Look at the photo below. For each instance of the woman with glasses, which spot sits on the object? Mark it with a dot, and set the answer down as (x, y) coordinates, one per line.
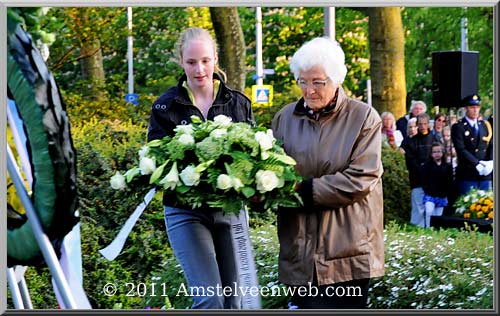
(335, 240)
(437, 129)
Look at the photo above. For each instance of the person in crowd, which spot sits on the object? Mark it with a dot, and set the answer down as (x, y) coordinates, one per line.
(200, 238)
(437, 129)
(411, 130)
(336, 238)
(437, 180)
(449, 149)
(451, 158)
(416, 108)
(389, 132)
(452, 119)
(417, 152)
(473, 141)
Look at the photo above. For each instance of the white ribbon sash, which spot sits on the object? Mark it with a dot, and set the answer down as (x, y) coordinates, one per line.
(247, 274)
(116, 246)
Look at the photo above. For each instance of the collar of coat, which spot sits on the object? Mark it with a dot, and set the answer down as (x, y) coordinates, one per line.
(335, 106)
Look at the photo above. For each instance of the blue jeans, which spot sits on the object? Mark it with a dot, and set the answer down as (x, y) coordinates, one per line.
(201, 242)
(417, 207)
(464, 186)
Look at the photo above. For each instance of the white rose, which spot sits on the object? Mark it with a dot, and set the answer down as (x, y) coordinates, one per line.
(266, 180)
(189, 176)
(222, 120)
(147, 165)
(184, 129)
(219, 132)
(224, 182)
(143, 151)
(171, 179)
(118, 181)
(186, 139)
(264, 140)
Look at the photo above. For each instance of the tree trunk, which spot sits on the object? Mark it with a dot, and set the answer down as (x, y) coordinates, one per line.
(91, 61)
(229, 34)
(92, 67)
(387, 69)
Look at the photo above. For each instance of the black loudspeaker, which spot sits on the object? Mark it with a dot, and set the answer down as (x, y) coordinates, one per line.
(454, 76)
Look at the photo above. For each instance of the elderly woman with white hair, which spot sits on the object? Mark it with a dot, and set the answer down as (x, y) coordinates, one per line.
(391, 135)
(416, 107)
(336, 238)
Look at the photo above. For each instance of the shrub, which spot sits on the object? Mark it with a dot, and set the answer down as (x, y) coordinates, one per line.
(396, 184)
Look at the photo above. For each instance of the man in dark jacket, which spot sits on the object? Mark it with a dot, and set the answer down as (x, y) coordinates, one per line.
(417, 154)
(473, 141)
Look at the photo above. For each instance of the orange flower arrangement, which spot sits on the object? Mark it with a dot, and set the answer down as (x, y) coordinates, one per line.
(475, 204)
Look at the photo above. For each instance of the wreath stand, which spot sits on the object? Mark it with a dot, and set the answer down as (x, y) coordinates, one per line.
(40, 128)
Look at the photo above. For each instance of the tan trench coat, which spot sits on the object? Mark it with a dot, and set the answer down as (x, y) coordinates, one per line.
(343, 239)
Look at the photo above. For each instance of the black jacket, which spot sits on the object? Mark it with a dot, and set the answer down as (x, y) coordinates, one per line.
(174, 107)
(437, 180)
(418, 152)
(470, 149)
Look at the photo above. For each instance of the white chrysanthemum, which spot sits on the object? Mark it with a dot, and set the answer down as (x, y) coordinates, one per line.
(224, 182)
(186, 139)
(219, 132)
(189, 176)
(171, 180)
(143, 151)
(147, 165)
(266, 180)
(184, 129)
(264, 139)
(222, 120)
(118, 181)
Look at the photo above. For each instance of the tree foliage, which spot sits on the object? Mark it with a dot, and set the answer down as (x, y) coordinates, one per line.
(156, 29)
(434, 29)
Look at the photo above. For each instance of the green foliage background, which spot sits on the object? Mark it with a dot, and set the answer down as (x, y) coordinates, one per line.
(155, 31)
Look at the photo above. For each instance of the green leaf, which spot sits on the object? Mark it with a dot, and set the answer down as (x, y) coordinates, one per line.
(155, 143)
(157, 173)
(132, 173)
(248, 191)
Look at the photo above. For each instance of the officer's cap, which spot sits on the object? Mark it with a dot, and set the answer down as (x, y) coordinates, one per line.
(472, 99)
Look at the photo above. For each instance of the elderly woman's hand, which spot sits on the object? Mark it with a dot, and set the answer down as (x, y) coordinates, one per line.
(305, 190)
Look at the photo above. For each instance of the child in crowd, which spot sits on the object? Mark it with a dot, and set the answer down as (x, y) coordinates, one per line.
(437, 178)
(411, 130)
(449, 148)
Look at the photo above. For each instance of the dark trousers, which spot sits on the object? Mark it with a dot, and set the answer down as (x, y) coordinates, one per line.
(345, 295)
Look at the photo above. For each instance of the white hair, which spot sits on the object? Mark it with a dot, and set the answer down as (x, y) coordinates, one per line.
(414, 103)
(320, 51)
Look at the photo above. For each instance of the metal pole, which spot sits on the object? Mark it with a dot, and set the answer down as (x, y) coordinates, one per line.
(23, 287)
(258, 30)
(329, 18)
(130, 52)
(43, 241)
(14, 289)
(463, 43)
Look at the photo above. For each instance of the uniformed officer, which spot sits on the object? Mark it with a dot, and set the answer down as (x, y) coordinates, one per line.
(473, 142)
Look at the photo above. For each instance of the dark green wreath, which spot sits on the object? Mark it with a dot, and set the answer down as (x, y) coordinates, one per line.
(49, 144)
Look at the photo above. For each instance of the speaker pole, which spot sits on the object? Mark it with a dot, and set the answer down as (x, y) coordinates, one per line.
(464, 45)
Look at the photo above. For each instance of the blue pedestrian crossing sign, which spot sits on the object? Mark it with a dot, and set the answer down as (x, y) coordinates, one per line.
(132, 98)
(262, 95)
